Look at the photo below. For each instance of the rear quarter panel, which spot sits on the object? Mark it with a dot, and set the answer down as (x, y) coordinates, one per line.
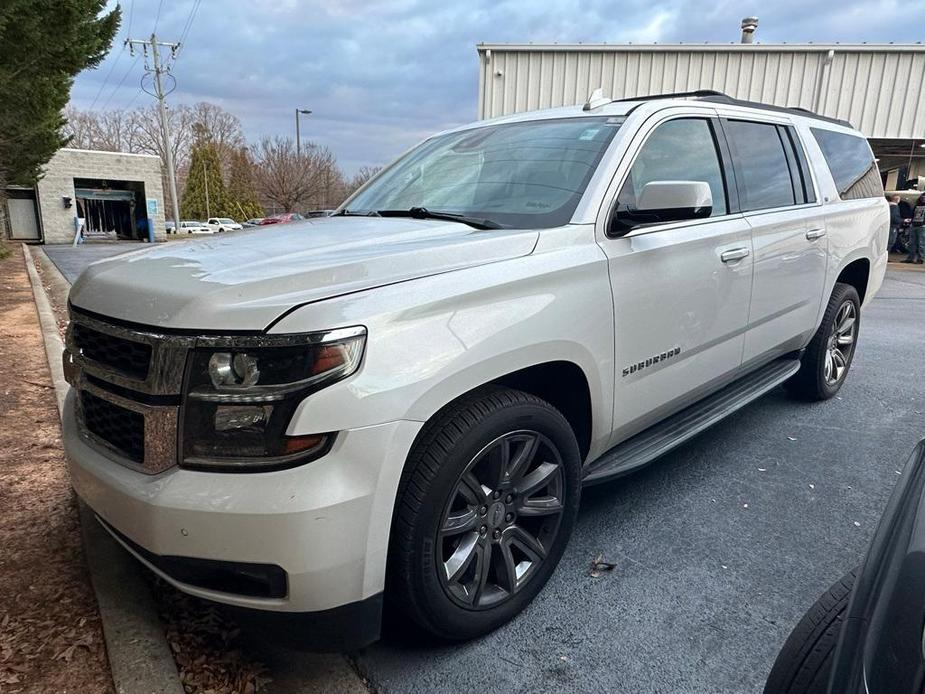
(854, 228)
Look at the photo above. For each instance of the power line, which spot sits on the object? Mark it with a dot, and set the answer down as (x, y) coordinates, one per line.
(131, 13)
(158, 17)
(121, 82)
(106, 80)
(186, 27)
(134, 98)
(190, 20)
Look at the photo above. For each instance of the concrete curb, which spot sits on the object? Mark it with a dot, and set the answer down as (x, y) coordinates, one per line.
(58, 284)
(139, 657)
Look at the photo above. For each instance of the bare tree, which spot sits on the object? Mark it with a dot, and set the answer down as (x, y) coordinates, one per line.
(220, 127)
(283, 178)
(291, 180)
(81, 128)
(363, 174)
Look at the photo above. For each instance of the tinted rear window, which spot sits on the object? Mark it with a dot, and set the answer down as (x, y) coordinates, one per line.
(851, 163)
(762, 172)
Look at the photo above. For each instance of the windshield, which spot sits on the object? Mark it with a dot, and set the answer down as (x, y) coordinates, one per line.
(516, 175)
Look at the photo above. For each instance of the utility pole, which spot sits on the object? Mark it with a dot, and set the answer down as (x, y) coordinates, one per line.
(159, 70)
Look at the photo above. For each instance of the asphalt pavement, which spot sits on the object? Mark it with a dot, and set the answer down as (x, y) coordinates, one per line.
(719, 547)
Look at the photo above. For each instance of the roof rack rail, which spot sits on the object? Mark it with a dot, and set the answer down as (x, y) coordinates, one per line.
(723, 98)
(697, 93)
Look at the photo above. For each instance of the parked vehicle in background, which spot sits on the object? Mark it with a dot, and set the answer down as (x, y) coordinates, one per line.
(253, 222)
(193, 227)
(281, 218)
(170, 226)
(222, 224)
(864, 636)
(405, 406)
(319, 213)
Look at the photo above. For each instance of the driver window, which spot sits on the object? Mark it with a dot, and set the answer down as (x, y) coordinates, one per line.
(679, 150)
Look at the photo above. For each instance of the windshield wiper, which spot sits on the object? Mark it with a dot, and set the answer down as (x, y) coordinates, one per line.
(424, 213)
(356, 213)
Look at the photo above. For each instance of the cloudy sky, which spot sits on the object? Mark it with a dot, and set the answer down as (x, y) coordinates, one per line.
(379, 76)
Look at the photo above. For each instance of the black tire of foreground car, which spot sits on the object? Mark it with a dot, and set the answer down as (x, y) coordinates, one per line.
(486, 505)
(827, 360)
(804, 664)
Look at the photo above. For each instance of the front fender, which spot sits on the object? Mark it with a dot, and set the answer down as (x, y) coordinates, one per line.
(434, 339)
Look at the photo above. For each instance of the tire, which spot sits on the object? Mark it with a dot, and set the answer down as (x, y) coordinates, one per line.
(821, 375)
(804, 664)
(464, 442)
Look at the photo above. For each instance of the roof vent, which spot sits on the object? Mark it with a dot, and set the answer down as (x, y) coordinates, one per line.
(596, 100)
(749, 25)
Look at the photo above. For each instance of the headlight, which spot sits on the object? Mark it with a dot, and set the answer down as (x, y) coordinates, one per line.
(241, 393)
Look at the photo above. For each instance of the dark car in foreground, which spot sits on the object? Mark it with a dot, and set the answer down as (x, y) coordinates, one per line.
(866, 633)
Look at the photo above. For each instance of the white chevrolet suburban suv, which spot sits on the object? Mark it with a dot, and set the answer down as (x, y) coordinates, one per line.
(399, 404)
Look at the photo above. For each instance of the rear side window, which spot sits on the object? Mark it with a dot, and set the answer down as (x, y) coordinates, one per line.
(851, 163)
(762, 168)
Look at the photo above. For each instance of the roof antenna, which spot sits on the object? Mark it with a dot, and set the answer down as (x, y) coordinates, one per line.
(596, 100)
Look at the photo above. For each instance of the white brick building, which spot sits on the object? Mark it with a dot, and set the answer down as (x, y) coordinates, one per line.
(115, 193)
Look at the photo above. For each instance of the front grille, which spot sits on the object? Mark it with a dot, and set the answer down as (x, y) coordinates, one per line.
(128, 357)
(122, 429)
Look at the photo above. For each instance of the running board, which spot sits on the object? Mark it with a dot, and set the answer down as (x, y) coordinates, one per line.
(660, 438)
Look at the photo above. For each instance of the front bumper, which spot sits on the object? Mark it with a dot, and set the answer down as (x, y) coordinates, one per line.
(325, 524)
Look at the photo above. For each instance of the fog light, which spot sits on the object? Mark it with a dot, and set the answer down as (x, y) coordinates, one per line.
(242, 417)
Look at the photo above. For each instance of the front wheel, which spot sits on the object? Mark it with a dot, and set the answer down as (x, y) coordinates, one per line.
(826, 361)
(486, 506)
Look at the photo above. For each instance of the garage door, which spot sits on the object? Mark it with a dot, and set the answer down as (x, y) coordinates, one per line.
(24, 225)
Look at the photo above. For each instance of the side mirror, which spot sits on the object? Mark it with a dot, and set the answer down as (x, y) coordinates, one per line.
(664, 201)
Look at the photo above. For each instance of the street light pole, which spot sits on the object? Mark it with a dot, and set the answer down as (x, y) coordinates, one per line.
(298, 135)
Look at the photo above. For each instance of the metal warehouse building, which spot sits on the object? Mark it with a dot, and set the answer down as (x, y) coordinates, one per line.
(115, 193)
(880, 89)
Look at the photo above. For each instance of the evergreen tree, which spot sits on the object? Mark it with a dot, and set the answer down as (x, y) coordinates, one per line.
(243, 202)
(205, 194)
(43, 45)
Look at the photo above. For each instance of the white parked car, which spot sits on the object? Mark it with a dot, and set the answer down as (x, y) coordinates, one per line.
(223, 224)
(193, 227)
(407, 407)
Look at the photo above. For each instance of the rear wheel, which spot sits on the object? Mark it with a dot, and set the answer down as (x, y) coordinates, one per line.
(826, 361)
(804, 664)
(485, 508)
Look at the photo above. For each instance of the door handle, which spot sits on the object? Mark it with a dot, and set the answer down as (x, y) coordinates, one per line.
(814, 234)
(734, 254)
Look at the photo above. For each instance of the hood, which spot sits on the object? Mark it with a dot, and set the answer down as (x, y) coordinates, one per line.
(245, 280)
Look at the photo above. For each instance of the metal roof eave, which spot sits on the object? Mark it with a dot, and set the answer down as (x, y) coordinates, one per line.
(706, 47)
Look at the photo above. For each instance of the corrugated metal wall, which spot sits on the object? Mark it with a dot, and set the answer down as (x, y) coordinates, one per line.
(879, 89)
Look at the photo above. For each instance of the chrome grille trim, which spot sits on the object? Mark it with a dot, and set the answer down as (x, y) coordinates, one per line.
(160, 426)
(164, 377)
(168, 356)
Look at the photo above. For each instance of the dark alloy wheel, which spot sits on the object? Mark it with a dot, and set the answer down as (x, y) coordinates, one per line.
(485, 507)
(501, 519)
(827, 360)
